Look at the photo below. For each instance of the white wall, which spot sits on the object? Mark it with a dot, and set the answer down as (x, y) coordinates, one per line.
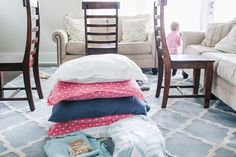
(13, 25)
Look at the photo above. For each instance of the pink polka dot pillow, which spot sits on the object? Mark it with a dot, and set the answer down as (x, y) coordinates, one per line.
(84, 91)
(63, 128)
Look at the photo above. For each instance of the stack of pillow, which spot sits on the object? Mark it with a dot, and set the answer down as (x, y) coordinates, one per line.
(95, 90)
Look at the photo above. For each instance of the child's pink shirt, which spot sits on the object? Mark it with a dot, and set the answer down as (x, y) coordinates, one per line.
(173, 42)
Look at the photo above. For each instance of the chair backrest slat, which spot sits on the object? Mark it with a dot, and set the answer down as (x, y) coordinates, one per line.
(101, 5)
(101, 25)
(101, 42)
(33, 31)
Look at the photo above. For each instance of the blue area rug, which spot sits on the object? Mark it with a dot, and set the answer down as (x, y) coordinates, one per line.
(190, 130)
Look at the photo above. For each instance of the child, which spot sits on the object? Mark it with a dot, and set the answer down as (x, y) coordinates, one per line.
(174, 42)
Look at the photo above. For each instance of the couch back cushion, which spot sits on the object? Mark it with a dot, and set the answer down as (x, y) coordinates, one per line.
(216, 32)
(99, 29)
(74, 27)
(228, 43)
(134, 30)
(147, 17)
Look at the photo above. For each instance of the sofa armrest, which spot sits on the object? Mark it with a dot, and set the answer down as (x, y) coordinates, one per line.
(60, 37)
(192, 38)
(151, 39)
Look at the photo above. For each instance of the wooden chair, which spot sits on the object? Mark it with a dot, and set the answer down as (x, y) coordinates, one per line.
(100, 46)
(166, 62)
(26, 60)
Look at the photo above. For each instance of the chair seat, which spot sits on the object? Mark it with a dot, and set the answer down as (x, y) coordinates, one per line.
(189, 61)
(190, 58)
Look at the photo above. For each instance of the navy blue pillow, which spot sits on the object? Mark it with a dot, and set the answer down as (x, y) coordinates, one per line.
(71, 110)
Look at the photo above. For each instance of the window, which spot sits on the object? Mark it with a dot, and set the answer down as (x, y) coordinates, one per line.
(134, 7)
(186, 12)
(224, 10)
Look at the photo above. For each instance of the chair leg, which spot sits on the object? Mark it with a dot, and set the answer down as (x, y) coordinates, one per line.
(159, 81)
(196, 79)
(208, 83)
(166, 86)
(28, 90)
(37, 81)
(1, 85)
(154, 71)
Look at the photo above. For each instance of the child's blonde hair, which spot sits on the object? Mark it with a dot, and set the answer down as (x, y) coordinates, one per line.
(174, 26)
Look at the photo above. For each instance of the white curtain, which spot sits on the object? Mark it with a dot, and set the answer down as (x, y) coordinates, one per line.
(207, 13)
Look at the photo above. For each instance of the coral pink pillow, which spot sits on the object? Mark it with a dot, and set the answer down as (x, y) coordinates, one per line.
(84, 91)
(76, 125)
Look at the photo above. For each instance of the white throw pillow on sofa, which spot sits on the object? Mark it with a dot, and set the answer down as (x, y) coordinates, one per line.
(134, 30)
(98, 68)
(215, 33)
(74, 28)
(228, 43)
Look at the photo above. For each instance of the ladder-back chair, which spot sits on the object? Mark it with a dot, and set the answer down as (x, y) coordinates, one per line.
(166, 62)
(24, 61)
(101, 46)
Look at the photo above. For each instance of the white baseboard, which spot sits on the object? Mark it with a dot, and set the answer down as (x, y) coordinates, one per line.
(45, 58)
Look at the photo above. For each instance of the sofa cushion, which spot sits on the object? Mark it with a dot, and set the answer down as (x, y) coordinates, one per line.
(134, 30)
(216, 32)
(75, 28)
(227, 69)
(130, 48)
(99, 29)
(75, 47)
(216, 56)
(148, 17)
(198, 49)
(228, 43)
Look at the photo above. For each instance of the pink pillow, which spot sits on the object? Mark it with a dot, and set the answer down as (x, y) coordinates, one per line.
(85, 91)
(79, 124)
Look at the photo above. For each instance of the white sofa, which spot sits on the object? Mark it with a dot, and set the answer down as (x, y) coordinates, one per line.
(141, 52)
(224, 80)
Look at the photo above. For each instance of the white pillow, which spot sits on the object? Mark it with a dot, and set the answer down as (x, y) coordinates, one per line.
(228, 43)
(134, 30)
(216, 32)
(98, 68)
(74, 28)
